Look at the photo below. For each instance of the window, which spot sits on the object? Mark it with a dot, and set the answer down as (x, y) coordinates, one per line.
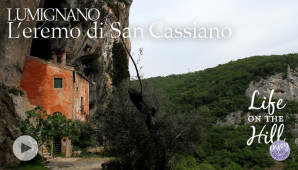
(57, 83)
(74, 76)
(82, 106)
(57, 113)
(58, 59)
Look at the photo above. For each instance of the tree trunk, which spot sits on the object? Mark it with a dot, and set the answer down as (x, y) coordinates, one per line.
(149, 111)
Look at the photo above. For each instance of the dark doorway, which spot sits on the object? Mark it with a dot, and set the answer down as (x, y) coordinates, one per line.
(57, 145)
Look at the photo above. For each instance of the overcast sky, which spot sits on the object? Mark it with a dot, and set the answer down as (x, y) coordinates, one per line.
(258, 28)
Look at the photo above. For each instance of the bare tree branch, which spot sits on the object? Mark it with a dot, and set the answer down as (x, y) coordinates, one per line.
(128, 52)
(182, 132)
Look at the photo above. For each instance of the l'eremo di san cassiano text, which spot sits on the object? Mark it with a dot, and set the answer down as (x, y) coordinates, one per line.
(18, 16)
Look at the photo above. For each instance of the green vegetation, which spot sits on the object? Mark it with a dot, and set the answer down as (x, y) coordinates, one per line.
(222, 88)
(185, 163)
(127, 137)
(29, 166)
(111, 4)
(86, 138)
(36, 163)
(44, 127)
(226, 146)
(120, 64)
(16, 91)
(292, 165)
(61, 155)
(85, 135)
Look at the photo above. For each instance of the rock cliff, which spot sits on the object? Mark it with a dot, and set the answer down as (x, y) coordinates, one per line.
(91, 57)
(285, 86)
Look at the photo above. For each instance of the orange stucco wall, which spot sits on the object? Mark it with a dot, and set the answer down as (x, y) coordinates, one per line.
(38, 82)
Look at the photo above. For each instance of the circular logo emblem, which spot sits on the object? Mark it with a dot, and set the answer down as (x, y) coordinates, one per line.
(279, 150)
(25, 148)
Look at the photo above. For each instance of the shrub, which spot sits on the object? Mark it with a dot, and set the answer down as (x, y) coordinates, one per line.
(85, 134)
(206, 166)
(44, 127)
(111, 4)
(233, 166)
(186, 163)
(292, 165)
(16, 91)
(120, 64)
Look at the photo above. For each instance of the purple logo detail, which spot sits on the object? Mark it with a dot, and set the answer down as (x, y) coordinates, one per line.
(279, 150)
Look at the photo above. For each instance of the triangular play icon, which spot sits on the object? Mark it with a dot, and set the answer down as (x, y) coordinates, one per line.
(24, 148)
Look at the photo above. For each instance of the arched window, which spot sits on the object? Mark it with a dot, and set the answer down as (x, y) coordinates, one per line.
(57, 113)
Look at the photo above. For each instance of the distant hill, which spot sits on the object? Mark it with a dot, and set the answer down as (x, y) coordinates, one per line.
(221, 88)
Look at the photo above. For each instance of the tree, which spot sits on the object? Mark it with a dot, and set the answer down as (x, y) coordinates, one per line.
(132, 129)
(85, 134)
(149, 136)
(120, 67)
(43, 127)
(125, 133)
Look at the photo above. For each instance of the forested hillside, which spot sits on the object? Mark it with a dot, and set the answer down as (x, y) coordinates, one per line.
(222, 88)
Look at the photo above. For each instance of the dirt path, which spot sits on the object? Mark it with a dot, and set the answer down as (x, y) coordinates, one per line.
(76, 163)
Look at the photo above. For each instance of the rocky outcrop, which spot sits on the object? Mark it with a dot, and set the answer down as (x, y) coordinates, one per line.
(21, 104)
(8, 123)
(286, 88)
(91, 57)
(14, 51)
(12, 59)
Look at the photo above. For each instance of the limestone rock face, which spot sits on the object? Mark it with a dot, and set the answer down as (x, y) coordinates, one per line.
(14, 51)
(285, 88)
(12, 59)
(8, 123)
(91, 57)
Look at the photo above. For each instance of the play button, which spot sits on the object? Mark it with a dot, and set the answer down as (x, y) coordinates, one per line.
(25, 148)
